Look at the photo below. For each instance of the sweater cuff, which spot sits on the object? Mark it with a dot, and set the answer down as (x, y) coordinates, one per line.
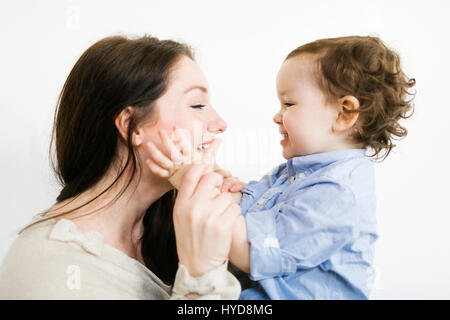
(217, 284)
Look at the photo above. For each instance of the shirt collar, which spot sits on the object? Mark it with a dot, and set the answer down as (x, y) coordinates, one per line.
(312, 162)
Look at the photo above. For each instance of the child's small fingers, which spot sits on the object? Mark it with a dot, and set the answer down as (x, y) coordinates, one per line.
(225, 186)
(171, 150)
(185, 143)
(157, 169)
(159, 158)
(237, 186)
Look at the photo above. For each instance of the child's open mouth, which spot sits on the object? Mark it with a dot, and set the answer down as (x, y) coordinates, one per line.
(285, 137)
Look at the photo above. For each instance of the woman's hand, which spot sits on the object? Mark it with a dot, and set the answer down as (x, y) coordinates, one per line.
(203, 220)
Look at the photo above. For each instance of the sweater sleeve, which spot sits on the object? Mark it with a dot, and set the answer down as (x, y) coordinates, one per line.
(217, 284)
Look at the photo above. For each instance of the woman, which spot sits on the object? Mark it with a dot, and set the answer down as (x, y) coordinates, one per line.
(111, 235)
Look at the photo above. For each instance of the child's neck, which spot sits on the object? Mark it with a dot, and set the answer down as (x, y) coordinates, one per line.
(345, 146)
(337, 147)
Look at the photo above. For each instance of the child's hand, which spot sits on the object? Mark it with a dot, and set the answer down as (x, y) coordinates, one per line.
(230, 184)
(177, 155)
(233, 184)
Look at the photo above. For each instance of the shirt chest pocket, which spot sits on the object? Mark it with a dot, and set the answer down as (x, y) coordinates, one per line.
(267, 200)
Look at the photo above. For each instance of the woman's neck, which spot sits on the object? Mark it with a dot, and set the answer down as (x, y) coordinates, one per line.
(119, 221)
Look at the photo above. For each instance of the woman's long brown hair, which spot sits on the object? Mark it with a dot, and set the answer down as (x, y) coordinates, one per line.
(112, 74)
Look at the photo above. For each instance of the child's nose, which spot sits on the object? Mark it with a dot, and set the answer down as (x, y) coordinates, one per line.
(277, 117)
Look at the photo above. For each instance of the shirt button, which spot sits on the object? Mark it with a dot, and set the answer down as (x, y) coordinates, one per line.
(261, 201)
(301, 175)
(291, 179)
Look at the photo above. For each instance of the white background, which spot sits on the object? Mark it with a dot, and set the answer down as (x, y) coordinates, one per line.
(240, 45)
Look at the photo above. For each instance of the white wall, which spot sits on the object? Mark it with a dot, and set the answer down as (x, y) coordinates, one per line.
(240, 45)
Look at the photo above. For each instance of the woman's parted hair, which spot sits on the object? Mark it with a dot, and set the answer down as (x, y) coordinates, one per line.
(112, 74)
(367, 69)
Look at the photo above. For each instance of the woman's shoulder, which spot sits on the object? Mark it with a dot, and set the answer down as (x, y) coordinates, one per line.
(31, 262)
(53, 259)
(32, 241)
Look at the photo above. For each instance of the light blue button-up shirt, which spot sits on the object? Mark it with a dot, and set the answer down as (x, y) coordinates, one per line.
(311, 227)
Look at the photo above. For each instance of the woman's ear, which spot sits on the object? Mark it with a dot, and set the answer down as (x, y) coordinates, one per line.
(345, 120)
(122, 123)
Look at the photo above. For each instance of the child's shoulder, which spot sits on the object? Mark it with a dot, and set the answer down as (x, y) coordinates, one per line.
(350, 172)
(275, 172)
(349, 166)
(278, 170)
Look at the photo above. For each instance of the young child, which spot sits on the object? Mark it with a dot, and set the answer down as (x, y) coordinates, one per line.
(308, 228)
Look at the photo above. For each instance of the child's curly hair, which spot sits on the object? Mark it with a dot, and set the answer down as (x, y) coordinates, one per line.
(367, 69)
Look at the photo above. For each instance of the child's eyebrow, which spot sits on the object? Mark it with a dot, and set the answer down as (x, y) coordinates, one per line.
(284, 94)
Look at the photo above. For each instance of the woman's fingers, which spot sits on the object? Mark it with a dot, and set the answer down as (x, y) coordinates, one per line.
(158, 157)
(220, 204)
(224, 173)
(229, 215)
(191, 180)
(209, 185)
(233, 211)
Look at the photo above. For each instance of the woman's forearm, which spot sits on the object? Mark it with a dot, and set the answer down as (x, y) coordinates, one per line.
(240, 247)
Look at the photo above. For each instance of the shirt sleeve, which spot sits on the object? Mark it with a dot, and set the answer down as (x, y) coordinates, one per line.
(255, 189)
(301, 232)
(217, 284)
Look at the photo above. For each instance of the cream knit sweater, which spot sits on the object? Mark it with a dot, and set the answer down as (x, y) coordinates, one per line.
(53, 259)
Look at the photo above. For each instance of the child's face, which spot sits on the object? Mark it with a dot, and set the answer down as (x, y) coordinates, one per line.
(305, 119)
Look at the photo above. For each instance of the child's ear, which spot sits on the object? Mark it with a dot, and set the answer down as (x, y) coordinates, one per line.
(345, 120)
(122, 123)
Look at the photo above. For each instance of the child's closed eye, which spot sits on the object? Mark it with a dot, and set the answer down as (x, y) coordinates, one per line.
(287, 104)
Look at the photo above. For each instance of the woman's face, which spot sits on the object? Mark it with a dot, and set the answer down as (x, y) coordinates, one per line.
(185, 105)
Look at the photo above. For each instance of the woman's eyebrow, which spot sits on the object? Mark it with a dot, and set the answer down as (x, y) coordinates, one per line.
(205, 90)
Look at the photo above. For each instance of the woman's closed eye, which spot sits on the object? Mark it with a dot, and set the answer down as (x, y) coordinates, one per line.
(198, 106)
(287, 104)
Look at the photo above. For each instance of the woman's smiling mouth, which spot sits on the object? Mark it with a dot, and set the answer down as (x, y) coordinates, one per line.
(203, 146)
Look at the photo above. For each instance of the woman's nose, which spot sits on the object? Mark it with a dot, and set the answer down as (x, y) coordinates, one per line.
(217, 124)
